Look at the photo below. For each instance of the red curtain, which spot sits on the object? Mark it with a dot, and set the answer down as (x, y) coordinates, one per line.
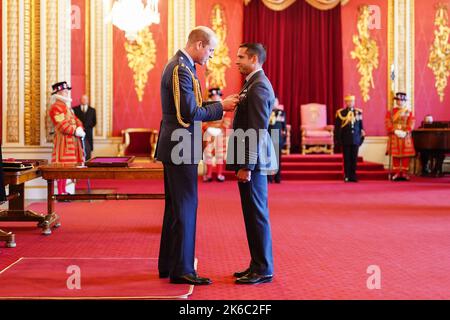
(304, 56)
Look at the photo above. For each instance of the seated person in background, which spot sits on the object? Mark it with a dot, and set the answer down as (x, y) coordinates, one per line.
(215, 138)
(428, 120)
(432, 161)
(277, 121)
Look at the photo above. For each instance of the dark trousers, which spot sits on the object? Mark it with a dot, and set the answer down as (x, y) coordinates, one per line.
(87, 150)
(432, 161)
(350, 160)
(177, 248)
(257, 225)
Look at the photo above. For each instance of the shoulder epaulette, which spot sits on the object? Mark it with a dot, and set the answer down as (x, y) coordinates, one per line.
(176, 92)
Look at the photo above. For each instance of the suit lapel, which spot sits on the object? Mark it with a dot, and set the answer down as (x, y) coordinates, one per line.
(251, 80)
(82, 114)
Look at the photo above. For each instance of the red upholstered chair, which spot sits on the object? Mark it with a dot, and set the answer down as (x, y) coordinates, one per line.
(138, 142)
(317, 136)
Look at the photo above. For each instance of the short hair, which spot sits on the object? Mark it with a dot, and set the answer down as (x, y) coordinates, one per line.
(255, 49)
(202, 33)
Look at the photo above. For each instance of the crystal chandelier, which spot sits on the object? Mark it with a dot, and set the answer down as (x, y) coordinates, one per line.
(131, 16)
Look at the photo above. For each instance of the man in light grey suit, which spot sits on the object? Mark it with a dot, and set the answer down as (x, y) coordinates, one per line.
(250, 154)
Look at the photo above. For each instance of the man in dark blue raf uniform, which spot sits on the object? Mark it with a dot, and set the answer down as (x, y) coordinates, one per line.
(254, 162)
(180, 149)
(349, 133)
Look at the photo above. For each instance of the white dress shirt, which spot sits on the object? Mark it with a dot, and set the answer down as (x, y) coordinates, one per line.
(251, 74)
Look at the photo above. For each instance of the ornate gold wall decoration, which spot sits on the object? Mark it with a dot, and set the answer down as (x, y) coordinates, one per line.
(32, 72)
(439, 60)
(141, 56)
(366, 51)
(220, 62)
(12, 91)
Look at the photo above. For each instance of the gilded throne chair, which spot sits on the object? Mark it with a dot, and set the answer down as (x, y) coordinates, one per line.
(138, 142)
(317, 136)
(287, 146)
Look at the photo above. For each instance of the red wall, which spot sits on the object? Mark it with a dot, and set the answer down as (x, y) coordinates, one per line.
(78, 52)
(374, 109)
(234, 15)
(426, 97)
(128, 111)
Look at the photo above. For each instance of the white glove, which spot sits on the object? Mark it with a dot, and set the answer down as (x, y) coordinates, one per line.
(80, 132)
(214, 131)
(400, 133)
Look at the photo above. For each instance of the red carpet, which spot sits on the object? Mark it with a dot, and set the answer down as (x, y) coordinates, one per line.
(100, 278)
(325, 236)
(324, 167)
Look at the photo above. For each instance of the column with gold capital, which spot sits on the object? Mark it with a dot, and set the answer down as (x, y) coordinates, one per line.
(36, 47)
(401, 49)
(100, 60)
(181, 20)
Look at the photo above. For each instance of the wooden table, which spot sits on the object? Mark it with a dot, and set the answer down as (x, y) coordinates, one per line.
(142, 171)
(16, 204)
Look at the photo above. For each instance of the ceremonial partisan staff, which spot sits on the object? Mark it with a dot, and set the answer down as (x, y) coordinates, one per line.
(84, 161)
(391, 119)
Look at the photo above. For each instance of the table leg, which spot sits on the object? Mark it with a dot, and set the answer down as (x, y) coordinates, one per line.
(16, 212)
(17, 203)
(9, 238)
(16, 206)
(51, 219)
(50, 202)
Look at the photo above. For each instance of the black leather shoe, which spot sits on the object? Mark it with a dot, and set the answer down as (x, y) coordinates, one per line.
(254, 278)
(190, 279)
(240, 274)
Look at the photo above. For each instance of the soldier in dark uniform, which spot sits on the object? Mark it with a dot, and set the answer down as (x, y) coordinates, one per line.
(349, 133)
(182, 113)
(277, 121)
